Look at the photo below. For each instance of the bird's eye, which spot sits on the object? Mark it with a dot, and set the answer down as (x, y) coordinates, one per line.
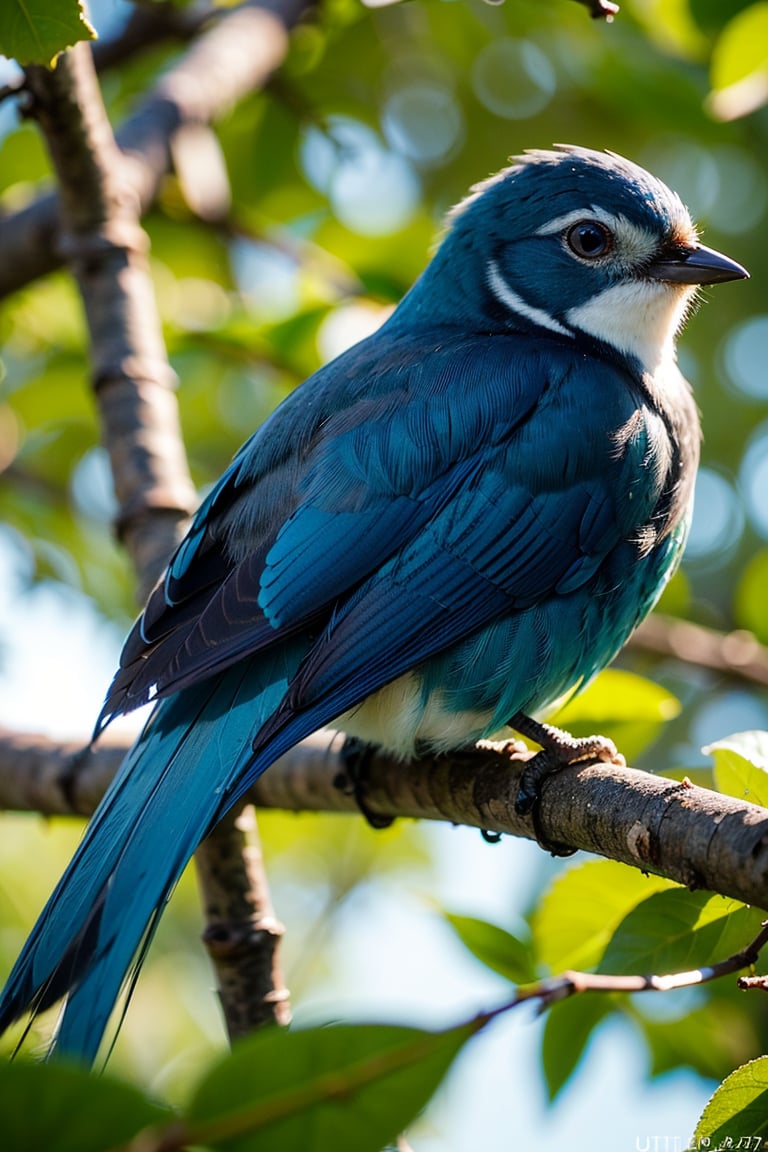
(589, 239)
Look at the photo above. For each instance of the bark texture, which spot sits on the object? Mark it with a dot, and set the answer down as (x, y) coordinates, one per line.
(689, 834)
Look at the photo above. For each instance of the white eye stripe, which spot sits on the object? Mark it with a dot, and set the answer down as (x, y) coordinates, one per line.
(593, 212)
(510, 299)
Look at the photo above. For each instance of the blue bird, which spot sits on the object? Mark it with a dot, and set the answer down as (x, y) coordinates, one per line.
(443, 531)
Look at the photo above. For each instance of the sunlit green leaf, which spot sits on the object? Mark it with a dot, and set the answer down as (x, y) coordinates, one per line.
(738, 1110)
(740, 64)
(678, 930)
(670, 24)
(582, 908)
(628, 708)
(741, 766)
(35, 31)
(494, 947)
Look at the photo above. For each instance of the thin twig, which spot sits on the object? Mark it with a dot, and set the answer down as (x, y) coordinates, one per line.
(106, 249)
(737, 654)
(242, 935)
(178, 1135)
(601, 9)
(571, 983)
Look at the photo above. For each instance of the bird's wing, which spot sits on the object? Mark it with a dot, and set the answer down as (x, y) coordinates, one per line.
(448, 474)
(495, 549)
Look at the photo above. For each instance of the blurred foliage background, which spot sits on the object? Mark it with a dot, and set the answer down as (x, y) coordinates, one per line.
(339, 174)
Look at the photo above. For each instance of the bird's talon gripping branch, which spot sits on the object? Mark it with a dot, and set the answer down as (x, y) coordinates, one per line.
(356, 757)
(559, 750)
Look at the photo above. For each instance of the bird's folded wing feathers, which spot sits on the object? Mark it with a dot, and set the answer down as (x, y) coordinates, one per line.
(415, 489)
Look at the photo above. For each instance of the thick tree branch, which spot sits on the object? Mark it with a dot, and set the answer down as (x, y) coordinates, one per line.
(691, 835)
(106, 248)
(103, 242)
(232, 58)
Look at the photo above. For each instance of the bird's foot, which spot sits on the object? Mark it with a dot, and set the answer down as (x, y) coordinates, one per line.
(353, 779)
(559, 750)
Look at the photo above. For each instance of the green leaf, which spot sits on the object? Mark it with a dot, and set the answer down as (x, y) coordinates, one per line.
(741, 766)
(711, 1040)
(619, 704)
(678, 930)
(578, 915)
(738, 1109)
(672, 26)
(494, 947)
(739, 70)
(566, 1033)
(35, 31)
(64, 1109)
(347, 1087)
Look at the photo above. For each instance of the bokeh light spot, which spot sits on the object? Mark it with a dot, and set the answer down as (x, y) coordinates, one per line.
(373, 191)
(376, 195)
(723, 186)
(423, 121)
(348, 324)
(744, 355)
(735, 711)
(687, 168)
(513, 78)
(92, 487)
(741, 191)
(267, 277)
(718, 517)
(753, 477)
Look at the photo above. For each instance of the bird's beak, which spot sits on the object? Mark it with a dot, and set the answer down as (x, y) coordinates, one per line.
(697, 265)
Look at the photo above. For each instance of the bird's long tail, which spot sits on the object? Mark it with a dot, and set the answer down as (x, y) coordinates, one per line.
(180, 777)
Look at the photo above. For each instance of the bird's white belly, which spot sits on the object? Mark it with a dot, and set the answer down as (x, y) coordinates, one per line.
(396, 717)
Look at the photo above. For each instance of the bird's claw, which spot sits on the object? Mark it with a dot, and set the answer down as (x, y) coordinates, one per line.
(559, 750)
(356, 757)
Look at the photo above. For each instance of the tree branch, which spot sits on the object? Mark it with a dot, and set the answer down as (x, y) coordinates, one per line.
(232, 58)
(571, 983)
(737, 654)
(601, 9)
(151, 24)
(688, 834)
(106, 248)
(242, 935)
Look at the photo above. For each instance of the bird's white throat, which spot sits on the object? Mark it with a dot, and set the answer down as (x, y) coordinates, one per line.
(639, 318)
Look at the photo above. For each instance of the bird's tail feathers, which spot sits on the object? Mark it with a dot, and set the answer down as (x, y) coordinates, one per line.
(180, 776)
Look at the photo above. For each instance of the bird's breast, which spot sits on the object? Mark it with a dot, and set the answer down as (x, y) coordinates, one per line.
(403, 714)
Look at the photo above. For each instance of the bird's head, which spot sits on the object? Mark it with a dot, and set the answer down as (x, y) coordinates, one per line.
(573, 243)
